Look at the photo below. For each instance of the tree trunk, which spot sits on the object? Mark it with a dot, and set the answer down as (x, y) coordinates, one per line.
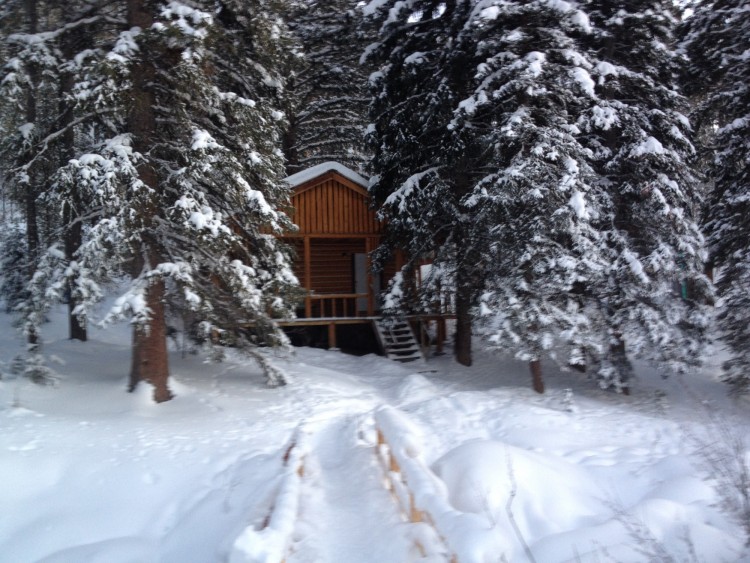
(462, 346)
(32, 242)
(621, 363)
(150, 358)
(289, 144)
(467, 261)
(72, 224)
(73, 238)
(537, 379)
(708, 269)
(32, 187)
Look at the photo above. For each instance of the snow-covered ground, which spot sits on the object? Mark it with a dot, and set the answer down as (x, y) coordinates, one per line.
(233, 471)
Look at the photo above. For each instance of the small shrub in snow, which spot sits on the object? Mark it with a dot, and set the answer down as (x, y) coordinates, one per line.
(12, 265)
(567, 401)
(726, 457)
(36, 370)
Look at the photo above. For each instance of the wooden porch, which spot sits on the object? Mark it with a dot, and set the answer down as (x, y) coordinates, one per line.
(336, 272)
(429, 330)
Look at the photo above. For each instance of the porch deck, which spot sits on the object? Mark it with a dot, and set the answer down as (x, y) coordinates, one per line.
(421, 324)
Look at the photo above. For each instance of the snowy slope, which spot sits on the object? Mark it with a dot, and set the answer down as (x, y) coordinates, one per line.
(92, 473)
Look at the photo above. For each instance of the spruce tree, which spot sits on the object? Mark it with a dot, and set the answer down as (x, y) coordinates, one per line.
(654, 293)
(25, 83)
(422, 170)
(328, 105)
(37, 82)
(167, 168)
(622, 261)
(716, 39)
(14, 278)
(537, 207)
(190, 188)
(29, 156)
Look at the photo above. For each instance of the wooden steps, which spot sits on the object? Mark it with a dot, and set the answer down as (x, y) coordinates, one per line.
(397, 340)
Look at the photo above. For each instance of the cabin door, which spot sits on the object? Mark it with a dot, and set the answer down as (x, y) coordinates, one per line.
(360, 282)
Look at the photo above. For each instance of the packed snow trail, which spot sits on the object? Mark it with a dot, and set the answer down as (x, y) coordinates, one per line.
(344, 504)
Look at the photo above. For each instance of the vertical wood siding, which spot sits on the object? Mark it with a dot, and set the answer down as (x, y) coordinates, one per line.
(331, 208)
(331, 263)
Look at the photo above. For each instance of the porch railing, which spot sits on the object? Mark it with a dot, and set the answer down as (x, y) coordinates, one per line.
(324, 305)
(443, 304)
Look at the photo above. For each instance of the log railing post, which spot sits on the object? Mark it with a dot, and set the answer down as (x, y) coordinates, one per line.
(307, 277)
(399, 488)
(332, 337)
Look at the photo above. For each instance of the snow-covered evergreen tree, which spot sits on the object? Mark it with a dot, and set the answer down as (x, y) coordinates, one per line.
(26, 84)
(41, 40)
(717, 40)
(537, 208)
(543, 162)
(159, 147)
(190, 189)
(13, 279)
(423, 171)
(28, 110)
(327, 117)
(608, 265)
(653, 294)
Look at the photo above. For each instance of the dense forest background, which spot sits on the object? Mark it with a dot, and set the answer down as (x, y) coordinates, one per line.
(576, 172)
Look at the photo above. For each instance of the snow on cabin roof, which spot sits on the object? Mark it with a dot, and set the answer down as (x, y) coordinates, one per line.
(310, 173)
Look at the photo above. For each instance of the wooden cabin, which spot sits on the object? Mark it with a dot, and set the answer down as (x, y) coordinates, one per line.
(337, 231)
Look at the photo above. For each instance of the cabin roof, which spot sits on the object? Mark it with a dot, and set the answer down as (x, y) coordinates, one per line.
(314, 172)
